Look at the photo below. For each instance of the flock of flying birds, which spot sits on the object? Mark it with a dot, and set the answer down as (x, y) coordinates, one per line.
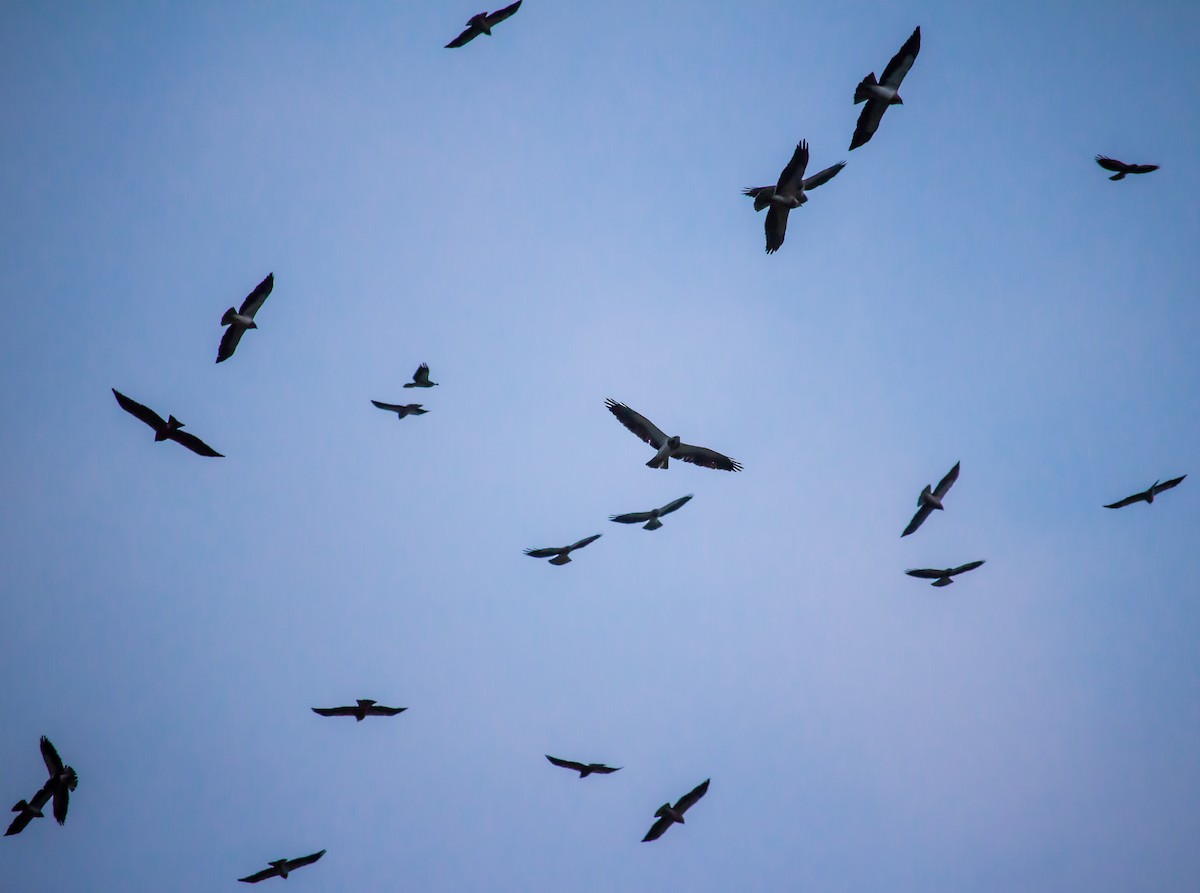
(787, 194)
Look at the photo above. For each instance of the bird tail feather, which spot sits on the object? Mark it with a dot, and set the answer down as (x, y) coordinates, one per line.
(860, 92)
(652, 524)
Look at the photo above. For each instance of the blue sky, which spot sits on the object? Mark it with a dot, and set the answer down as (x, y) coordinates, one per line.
(550, 217)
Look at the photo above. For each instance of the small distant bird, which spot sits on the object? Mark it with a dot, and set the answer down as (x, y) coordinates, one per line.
(561, 555)
(930, 500)
(878, 95)
(652, 516)
(402, 409)
(421, 378)
(788, 193)
(1121, 168)
(361, 711)
(168, 430)
(240, 320)
(282, 868)
(942, 577)
(58, 786)
(1147, 496)
(668, 447)
(584, 769)
(483, 23)
(669, 815)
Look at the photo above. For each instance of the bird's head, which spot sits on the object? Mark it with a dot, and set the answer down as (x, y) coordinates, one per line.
(896, 100)
(365, 702)
(173, 424)
(253, 325)
(674, 441)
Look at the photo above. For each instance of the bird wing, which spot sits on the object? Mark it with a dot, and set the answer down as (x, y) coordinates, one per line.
(583, 542)
(255, 299)
(927, 573)
(421, 376)
(761, 195)
(390, 407)
(542, 553)
(688, 800)
(194, 443)
(293, 864)
(776, 227)
(637, 423)
(1111, 164)
(62, 799)
(260, 875)
(469, 34)
(791, 178)
(963, 568)
(868, 122)
(19, 823)
(566, 764)
(229, 341)
(601, 769)
(657, 829)
(947, 482)
(631, 517)
(1142, 168)
(902, 61)
(501, 14)
(54, 763)
(822, 177)
(697, 455)
(147, 415)
(380, 710)
(1167, 485)
(1128, 500)
(674, 504)
(918, 519)
(334, 711)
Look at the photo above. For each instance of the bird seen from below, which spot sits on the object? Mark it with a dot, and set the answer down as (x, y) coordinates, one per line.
(931, 499)
(668, 815)
(651, 517)
(942, 577)
(281, 868)
(1121, 168)
(788, 193)
(360, 711)
(165, 430)
(421, 378)
(58, 787)
(879, 94)
(240, 320)
(668, 447)
(561, 555)
(1147, 496)
(401, 409)
(584, 769)
(482, 23)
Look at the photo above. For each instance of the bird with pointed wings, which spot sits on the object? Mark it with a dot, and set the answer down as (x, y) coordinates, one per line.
(1121, 168)
(668, 447)
(1147, 496)
(942, 577)
(240, 320)
(562, 554)
(668, 815)
(165, 430)
(788, 193)
(651, 517)
(401, 409)
(482, 23)
(281, 868)
(931, 499)
(879, 94)
(584, 769)
(360, 711)
(421, 378)
(58, 787)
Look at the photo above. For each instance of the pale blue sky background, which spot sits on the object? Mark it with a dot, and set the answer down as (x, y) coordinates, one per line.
(550, 217)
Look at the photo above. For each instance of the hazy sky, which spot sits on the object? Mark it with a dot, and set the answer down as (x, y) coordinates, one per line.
(549, 217)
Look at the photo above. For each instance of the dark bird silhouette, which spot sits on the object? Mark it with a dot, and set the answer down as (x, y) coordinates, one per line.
(360, 711)
(942, 577)
(788, 193)
(281, 868)
(168, 430)
(930, 500)
(668, 447)
(669, 815)
(651, 517)
(421, 378)
(584, 769)
(1147, 496)
(1121, 168)
(878, 95)
(58, 786)
(482, 23)
(240, 320)
(402, 409)
(561, 555)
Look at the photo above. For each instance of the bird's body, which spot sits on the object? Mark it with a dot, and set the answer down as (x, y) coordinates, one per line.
(239, 320)
(165, 430)
(651, 517)
(941, 577)
(363, 708)
(421, 378)
(880, 94)
(561, 554)
(669, 815)
(930, 500)
(281, 868)
(482, 23)
(401, 409)
(1121, 168)
(1147, 495)
(584, 769)
(667, 448)
(790, 192)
